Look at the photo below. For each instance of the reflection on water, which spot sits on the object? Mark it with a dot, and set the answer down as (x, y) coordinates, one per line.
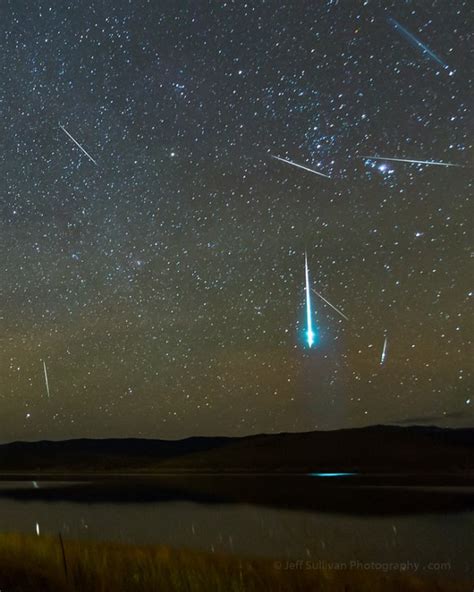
(332, 474)
(28, 485)
(251, 530)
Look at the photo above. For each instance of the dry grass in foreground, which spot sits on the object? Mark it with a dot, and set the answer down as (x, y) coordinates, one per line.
(37, 564)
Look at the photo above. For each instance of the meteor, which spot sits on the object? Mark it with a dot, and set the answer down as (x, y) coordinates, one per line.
(46, 378)
(432, 162)
(310, 336)
(384, 351)
(331, 305)
(300, 166)
(417, 43)
(77, 144)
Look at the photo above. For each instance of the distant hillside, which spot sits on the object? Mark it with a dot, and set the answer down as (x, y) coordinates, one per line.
(376, 449)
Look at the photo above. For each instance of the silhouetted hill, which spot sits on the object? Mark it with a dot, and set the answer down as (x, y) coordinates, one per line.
(376, 449)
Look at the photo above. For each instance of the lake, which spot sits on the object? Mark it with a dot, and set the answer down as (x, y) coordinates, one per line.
(437, 540)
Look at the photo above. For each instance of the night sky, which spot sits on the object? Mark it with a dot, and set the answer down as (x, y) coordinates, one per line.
(161, 279)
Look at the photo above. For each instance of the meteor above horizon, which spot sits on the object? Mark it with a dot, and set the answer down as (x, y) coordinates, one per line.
(384, 351)
(331, 305)
(411, 161)
(77, 144)
(310, 335)
(417, 43)
(300, 166)
(46, 381)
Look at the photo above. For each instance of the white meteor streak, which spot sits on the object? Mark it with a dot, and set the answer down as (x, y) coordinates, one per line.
(77, 144)
(309, 323)
(46, 378)
(432, 162)
(300, 166)
(331, 305)
(384, 351)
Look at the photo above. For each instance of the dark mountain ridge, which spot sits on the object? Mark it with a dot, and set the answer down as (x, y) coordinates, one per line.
(376, 449)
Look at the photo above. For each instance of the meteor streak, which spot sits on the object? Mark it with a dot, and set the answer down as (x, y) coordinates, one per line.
(46, 378)
(417, 43)
(77, 144)
(384, 351)
(331, 305)
(432, 162)
(300, 166)
(310, 337)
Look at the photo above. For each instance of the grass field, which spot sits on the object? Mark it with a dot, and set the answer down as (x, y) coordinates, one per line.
(44, 564)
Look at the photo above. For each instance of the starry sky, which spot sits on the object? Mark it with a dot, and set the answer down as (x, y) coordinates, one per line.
(159, 273)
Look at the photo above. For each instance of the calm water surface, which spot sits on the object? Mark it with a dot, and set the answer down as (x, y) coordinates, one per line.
(250, 530)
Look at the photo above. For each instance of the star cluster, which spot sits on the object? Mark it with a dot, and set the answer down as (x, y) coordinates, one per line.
(162, 282)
